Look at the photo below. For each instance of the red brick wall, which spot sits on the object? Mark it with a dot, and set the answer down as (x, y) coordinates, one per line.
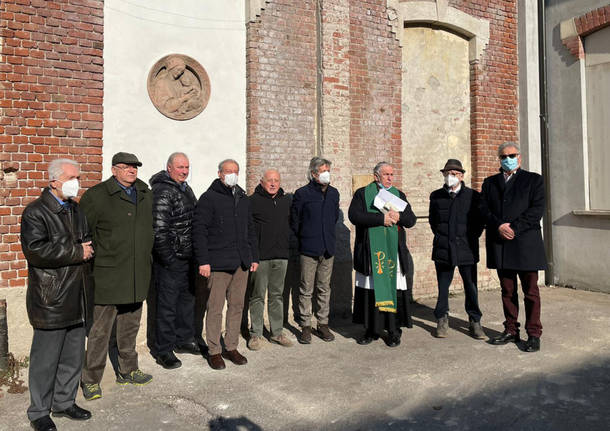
(373, 93)
(281, 91)
(51, 77)
(375, 89)
(494, 85)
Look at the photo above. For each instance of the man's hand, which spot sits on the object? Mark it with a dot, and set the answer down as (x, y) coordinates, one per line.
(390, 218)
(205, 270)
(87, 250)
(253, 267)
(506, 231)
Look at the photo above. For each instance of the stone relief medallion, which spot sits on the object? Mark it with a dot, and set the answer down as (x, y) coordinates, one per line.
(179, 87)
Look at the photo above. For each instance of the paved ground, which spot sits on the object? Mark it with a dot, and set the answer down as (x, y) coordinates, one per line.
(424, 384)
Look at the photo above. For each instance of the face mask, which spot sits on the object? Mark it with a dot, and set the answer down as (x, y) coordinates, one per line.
(231, 179)
(70, 188)
(509, 164)
(324, 178)
(451, 180)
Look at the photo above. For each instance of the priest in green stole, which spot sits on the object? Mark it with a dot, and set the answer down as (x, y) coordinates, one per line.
(381, 260)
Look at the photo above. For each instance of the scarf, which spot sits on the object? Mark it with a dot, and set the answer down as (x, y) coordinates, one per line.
(384, 255)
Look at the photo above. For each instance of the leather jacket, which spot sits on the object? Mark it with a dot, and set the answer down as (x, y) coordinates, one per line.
(59, 284)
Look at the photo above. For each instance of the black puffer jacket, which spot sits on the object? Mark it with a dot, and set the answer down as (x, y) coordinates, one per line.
(59, 286)
(272, 220)
(223, 230)
(457, 226)
(173, 210)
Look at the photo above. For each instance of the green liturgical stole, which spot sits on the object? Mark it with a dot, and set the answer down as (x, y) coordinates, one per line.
(384, 255)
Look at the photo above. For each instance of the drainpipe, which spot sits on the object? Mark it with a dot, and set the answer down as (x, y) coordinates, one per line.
(549, 278)
(319, 81)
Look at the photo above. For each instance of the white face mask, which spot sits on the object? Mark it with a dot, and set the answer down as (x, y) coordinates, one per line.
(451, 180)
(231, 179)
(70, 188)
(324, 177)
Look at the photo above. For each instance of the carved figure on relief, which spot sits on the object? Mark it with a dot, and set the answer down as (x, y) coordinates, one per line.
(178, 87)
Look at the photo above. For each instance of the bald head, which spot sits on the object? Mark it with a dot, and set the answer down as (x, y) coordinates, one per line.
(271, 181)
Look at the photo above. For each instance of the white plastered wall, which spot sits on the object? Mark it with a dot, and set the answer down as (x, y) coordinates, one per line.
(137, 33)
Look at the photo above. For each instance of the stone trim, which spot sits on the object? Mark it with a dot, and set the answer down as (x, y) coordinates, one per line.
(574, 29)
(254, 8)
(441, 14)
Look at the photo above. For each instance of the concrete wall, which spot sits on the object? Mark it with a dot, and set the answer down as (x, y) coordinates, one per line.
(137, 35)
(581, 243)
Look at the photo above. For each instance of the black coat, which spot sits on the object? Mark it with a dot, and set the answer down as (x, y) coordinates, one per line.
(313, 218)
(223, 230)
(363, 220)
(59, 286)
(457, 226)
(521, 203)
(272, 221)
(173, 210)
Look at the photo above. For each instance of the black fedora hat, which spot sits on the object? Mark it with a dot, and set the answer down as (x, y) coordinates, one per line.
(453, 165)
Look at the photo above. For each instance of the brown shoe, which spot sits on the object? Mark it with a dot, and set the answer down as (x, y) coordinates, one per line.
(282, 340)
(325, 334)
(235, 357)
(305, 337)
(216, 362)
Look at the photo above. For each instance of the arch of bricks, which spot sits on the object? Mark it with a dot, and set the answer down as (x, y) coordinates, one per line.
(574, 29)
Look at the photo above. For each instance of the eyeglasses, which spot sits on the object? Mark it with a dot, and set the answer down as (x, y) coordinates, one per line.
(512, 156)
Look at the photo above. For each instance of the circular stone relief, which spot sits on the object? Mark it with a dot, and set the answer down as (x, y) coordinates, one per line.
(179, 87)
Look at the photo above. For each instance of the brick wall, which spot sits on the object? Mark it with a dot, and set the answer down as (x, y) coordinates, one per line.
(281, 91)
(51, 78)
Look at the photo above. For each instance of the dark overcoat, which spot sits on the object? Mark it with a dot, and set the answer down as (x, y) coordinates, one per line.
(363, 220)
(58, 293)
(520, 202)
(224, 235)
(122, 240)
(457, 226)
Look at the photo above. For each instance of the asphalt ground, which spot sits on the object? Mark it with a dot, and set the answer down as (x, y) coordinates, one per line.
(426, 383)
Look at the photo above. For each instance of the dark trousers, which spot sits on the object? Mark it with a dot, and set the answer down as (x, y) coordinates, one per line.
(127, 318)
(444, 276)
(56, 361)
(531, 299)
(175, 306)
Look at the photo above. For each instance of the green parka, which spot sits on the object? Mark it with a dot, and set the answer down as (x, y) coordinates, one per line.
(122, 241)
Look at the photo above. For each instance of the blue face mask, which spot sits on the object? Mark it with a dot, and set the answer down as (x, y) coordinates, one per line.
(509, 164)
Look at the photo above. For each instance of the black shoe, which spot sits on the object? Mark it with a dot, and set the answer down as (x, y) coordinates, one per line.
(368, 338)
(192, 348)
(393, 339)
(74, 412)
(168, 360)
(505, 338)
(44, 423)
(532, 344)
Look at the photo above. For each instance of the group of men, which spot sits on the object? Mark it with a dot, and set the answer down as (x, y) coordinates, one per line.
(90, 264)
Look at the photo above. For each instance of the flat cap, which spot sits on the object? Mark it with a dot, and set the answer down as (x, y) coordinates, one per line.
(127, 158)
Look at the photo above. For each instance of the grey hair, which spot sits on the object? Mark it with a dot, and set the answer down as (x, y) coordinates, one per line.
(172, 156)
(221, 164)
(508, 145)
(56, 167)
(315, 164)
(378, 166)
(269, 170)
